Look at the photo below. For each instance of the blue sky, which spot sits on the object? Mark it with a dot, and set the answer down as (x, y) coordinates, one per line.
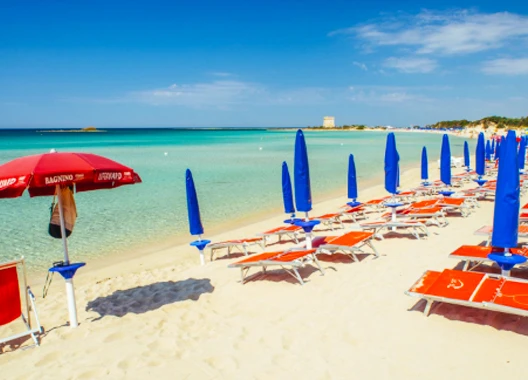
(259, 63)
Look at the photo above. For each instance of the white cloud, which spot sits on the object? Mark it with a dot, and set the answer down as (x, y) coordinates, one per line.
(217, 93)
(361, 65)
(411, 65)
(446, 33)
(507, 66)
(376, 95)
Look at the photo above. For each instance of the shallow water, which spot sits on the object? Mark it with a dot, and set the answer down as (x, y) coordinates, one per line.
(237, 174)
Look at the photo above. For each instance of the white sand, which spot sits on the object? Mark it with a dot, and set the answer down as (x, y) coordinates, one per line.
(163, 316)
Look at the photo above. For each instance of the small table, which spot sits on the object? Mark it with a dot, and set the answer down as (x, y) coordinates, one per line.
(308, 226)
(67, 271)
(480, 181)
(506, 261)
(446, 193)
(200, 244)
(292, 220)
(354, 203)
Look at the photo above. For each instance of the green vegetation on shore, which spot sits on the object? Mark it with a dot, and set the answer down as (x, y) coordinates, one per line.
(490, 121)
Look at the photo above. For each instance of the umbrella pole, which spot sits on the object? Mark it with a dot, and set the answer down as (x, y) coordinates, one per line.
(308, 234)
(202, 256)
(70, 291)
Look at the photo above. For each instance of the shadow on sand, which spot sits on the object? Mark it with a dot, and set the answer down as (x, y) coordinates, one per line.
(149, 297)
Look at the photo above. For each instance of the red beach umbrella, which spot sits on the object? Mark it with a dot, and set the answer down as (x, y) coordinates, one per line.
(44, 174)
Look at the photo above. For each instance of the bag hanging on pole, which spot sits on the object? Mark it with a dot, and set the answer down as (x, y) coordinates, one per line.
(70, 213)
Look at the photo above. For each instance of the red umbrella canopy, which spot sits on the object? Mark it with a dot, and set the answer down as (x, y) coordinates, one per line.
(41, 173)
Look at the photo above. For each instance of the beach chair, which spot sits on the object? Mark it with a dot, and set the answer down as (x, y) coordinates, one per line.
(290, 231)
(330, 220)
(17, 301)
(349, 244)
(474, 255)
(451, 205)
(472, 289)
(354, 213)
(488, 230)
(240, 245)
(289, 260)
(381, 227)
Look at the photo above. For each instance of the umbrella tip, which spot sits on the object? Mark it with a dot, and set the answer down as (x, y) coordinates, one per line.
(52, 150)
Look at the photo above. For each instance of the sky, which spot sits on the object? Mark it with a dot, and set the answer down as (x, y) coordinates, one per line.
(260, 63)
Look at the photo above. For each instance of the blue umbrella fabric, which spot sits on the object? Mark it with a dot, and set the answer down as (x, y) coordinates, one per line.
(497, 149)
(287, 191)
(480, 156)
(193, 209)
(352, 190)
(493, 146)
(425, 165)
(466, 155)
(522, 153)
(507, 202)
(488, 150)
(445, 161)
(301, 175)
(391, 165)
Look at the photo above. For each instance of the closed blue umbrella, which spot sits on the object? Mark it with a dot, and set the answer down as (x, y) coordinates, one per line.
(352, 182)
(391, 165)
(287, 191)
(488, 151)
(445, 161)
(425, 165)
(301, 175)
(480, 156)
(493, 146)
(507, 203)
(497, 149)
(193, 212)
(303, 193)
(466, 156)
(522, 153)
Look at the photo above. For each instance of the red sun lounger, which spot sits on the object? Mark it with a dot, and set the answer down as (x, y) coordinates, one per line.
(488, 230)
(290, 261)
(472, 289)
(354, 213)
(473, 255)
(380, 227)
(427, 215)
(17, 300)
(350, 244)
(291, 231)
(241, 245)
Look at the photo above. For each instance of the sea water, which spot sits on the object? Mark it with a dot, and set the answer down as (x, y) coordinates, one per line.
(237, 174)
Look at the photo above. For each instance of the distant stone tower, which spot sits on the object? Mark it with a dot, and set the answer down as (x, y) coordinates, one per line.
(329, 122)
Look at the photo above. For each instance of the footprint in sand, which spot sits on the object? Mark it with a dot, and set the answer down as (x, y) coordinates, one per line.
(226, 363)
(48, 359)
(113, 337)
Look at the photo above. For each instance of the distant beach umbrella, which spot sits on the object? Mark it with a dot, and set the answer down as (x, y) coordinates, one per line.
(352, 182)
(480, 156)
(445, 161)
(497, 149)
(493, 146)
(488, 150)
(391, 165)
(522, 154)
(287, 191)
(466, 155)
(301, 175)
(193, 213)
(425, 165)
(507, 203)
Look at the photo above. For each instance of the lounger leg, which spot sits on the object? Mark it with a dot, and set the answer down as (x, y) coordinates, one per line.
(297, 275)
(427, 309)
(318, 264)
(373, 248)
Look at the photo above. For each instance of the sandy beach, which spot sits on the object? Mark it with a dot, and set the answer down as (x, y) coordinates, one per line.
(160, 315)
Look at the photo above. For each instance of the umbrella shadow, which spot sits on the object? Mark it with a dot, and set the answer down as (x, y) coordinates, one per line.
(146, 298)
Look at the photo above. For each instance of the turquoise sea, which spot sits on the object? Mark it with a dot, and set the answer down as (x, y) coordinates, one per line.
(237, 174)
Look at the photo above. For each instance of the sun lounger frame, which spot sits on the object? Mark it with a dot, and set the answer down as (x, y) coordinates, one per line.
(240, 245)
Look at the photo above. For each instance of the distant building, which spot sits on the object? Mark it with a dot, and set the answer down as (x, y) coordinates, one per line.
(329, 122)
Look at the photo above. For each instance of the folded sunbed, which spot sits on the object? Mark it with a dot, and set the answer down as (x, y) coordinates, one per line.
(473, 255)
(472, 289)
(290, 261)
(455, 205)
(488, 230)
(428, 215)
(330, 220)
(241, 245)
(349, 244)
(291, 231)
(354, 213)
